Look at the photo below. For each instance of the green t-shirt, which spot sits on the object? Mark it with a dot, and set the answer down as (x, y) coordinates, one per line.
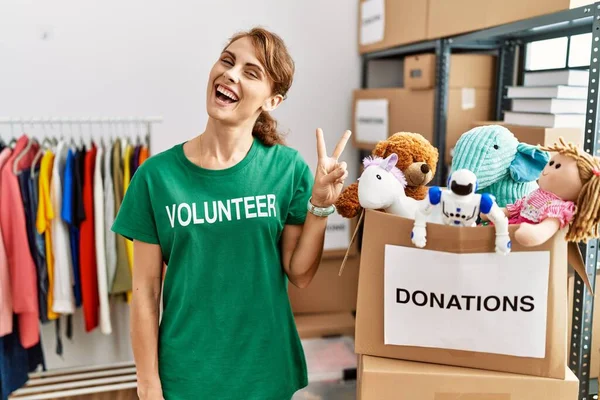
(227, 331)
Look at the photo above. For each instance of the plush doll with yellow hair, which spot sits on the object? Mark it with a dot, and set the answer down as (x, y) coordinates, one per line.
(568, 195)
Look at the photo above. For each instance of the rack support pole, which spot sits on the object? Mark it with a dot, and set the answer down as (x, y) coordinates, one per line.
(442, 71)
(504, 76)
(583, 302)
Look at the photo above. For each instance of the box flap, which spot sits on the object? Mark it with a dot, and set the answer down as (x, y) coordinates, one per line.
(575, 259)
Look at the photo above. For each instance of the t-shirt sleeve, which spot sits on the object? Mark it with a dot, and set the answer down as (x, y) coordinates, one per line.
(303, 184)
(135, 219)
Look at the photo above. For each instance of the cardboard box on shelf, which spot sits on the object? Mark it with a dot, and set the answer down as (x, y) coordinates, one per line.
(328, 292)
(379, 113)
(337, 236)
(387, 379)
(466, 71)
(454, 17)
(536, 135)
(446, 333)
(384, 24)
(325, 325)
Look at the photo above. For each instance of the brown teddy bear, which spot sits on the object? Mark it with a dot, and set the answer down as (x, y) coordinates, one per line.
(417, 159)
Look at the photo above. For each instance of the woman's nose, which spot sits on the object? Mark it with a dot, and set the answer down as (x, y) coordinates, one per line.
(231, 75)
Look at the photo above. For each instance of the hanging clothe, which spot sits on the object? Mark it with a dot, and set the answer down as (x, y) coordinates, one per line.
(87, 248)
(14, 363)
(64, 299)
(109, 218)
(22, 270)
(68, 216)
(36, 240)
(45, 214)
(105, 325)
(6, 310)
(135, 159)
(143, 155)
(126, 179)
(122, 281)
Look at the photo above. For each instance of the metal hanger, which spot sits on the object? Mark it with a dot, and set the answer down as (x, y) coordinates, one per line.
(16, 161)
(46, 145)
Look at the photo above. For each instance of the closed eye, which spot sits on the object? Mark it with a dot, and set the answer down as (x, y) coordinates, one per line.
(227, 61)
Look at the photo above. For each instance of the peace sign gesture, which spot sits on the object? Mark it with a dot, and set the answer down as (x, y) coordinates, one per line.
(330, 175)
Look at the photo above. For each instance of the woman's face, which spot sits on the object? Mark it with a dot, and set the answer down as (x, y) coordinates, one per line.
(238, 86)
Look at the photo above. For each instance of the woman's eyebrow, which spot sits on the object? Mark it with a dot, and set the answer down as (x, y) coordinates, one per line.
(231, 54)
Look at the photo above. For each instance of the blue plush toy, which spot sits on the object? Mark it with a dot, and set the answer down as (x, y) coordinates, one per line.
(504, 167)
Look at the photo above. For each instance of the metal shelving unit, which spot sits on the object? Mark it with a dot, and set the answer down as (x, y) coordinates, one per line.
(509, 42)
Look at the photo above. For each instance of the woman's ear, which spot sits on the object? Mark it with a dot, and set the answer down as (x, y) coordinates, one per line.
(272, 103)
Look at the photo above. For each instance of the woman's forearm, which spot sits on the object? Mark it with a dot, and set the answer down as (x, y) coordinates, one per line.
(307, 254)
(144, 335)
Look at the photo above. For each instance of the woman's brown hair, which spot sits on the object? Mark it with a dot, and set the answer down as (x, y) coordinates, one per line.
(587, 214)
(279, 67)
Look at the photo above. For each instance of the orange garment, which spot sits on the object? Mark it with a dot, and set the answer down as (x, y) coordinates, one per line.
(87, 245)
(43, 223)
(143, 155)
(22, 270)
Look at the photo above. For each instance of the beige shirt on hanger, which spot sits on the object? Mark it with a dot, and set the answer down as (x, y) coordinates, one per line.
(122, 282)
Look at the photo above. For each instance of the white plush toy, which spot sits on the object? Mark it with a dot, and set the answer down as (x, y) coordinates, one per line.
(460, 206)
(381, 187)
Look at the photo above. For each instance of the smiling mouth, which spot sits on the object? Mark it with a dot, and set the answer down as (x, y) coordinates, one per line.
(225, 95)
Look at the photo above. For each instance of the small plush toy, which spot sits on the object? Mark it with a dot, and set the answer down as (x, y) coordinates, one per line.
(504, 167)
(417, 159)
(460, 206)
(568, 195)
(381, 187)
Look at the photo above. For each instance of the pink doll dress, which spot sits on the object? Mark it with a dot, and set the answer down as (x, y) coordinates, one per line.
(539, 205)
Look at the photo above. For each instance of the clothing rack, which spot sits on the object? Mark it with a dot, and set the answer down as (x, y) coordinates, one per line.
(51, 135)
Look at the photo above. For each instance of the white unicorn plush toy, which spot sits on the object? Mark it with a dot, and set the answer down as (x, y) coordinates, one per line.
(381, 187)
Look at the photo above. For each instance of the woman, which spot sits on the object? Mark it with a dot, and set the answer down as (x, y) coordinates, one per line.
(234, 214)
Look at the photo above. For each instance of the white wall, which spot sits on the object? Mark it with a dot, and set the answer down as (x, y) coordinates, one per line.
(121, 58)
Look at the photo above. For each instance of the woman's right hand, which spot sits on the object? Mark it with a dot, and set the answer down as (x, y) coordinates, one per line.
(150, 392)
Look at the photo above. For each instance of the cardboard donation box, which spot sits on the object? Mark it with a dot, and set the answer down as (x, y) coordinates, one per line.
(387, 23)
(456, 302)
(328, 292)
(324, 325)
(379, 113)
(466, 71)
(386, 379)
(452, 17)
(535, 135)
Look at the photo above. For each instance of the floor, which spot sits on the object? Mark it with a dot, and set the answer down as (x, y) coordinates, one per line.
(328, 360)
(328, 391)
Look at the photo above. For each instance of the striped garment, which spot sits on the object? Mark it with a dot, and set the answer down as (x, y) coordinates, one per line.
(539, 205)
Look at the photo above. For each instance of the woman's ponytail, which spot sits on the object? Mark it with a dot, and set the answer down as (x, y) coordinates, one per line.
(265, 130)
